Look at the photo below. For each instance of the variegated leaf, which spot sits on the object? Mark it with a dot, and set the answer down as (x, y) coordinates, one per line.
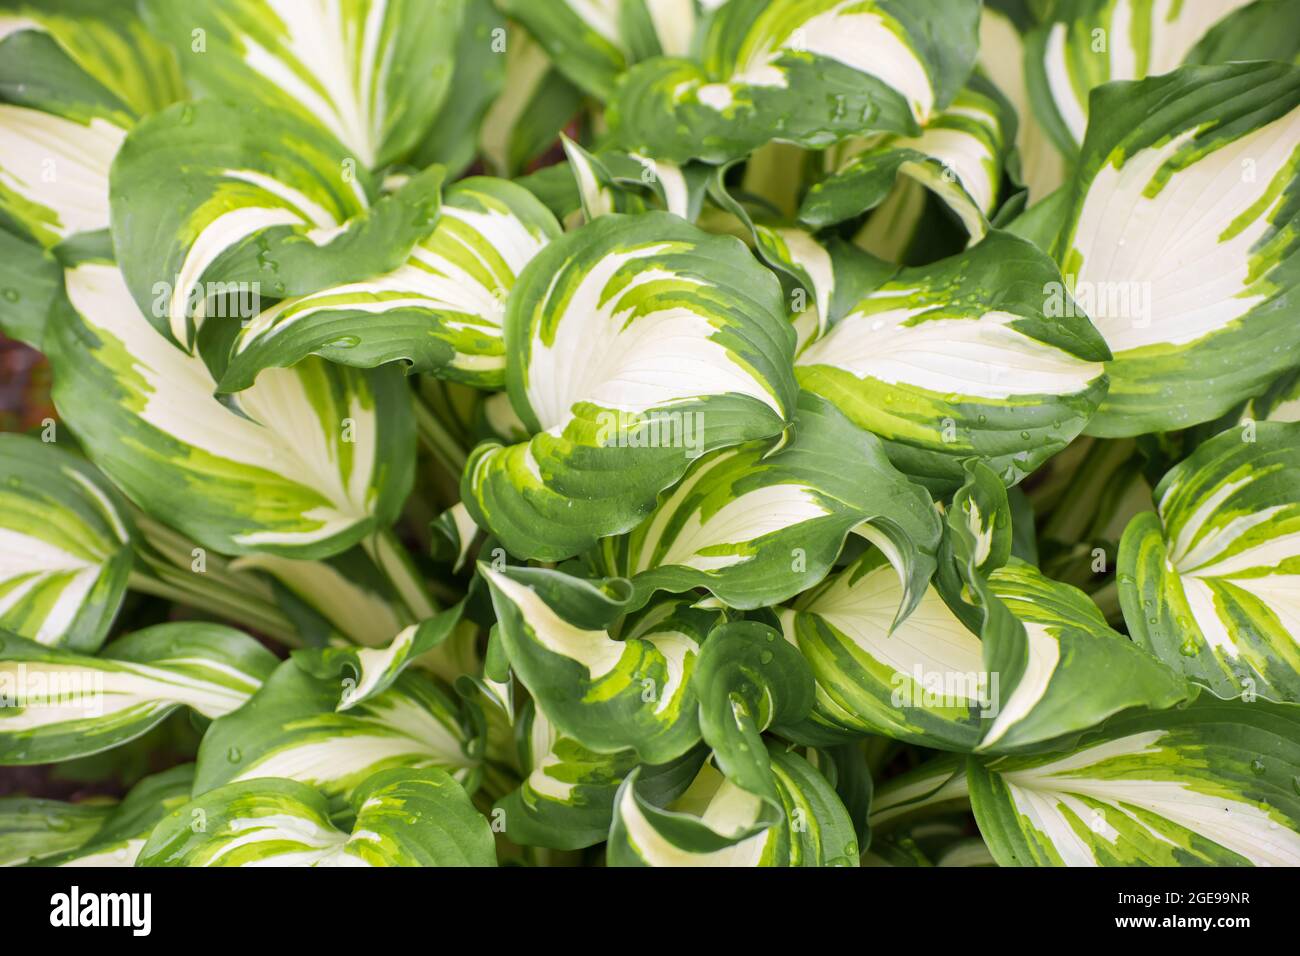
(612, 180)
(345, 595)
(718, 823)
(35, 828)
(680, 189)
(824, 277)
(960, 359)
(292, 729)
(454, 534)
(403, 817)
(756, 526)
(1193, 308)
(816, 269)
(1079, 672)
(65, 546)
(368, 671)
(84, 58)
(566, 801)
(442, 311)
(1211, 582)
(373, 73)
(977, 542)
(609, 693)
(959, 155)
(921, 817)
(250, 220)
(1087, 43)
(1033, 662)
(55, 704)
(803, 71)
(1208, 785)
(938, 785)
(634, 345)
(872, 676)
(598, 194)
(54, 172)
(1056, 666)
(306, 463)
(594, 41)
(123, 829)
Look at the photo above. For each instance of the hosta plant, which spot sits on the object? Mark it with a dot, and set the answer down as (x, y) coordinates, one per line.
(652, 433)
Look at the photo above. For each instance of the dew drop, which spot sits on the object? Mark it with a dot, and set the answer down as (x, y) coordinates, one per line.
(11, 295)
(425, 214)
(1257, 766)
(765, 657)
(234, 755)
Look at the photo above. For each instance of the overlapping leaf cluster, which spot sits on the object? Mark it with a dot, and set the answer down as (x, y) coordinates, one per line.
(656, 432)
